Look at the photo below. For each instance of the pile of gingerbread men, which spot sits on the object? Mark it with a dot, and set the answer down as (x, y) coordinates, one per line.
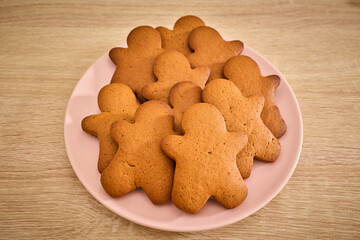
(206, 112)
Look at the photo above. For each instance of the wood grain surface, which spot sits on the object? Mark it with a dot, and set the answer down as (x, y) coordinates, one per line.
(46, 46)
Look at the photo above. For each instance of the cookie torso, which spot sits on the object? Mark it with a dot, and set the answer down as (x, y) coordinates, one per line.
(170, 68)
(245, 73)
(134, 65)
(116, 102)
(177, 38)
(139, 161)
(211, 50)
(205, 160)
(243, 114)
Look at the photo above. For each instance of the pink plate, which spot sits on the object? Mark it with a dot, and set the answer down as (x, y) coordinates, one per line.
(267, 179)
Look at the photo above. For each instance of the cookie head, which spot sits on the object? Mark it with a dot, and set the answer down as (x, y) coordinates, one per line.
(177, 39)
(204, 38)
(205, 117)
(244, 71)
(188, 23)
(170, 68)
(152, 113)
(144, 37)
(211, 50)
(117, 97)
(171, 61)
(185, 92)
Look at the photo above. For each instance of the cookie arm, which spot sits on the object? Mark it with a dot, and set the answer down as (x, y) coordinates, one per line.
(236, 140)
(147, 91)
(172, 145)
(274, 80)
(119, 129)
(202, 74)
(237, 47)
(118, 178)
(117, 54)
(89, 123)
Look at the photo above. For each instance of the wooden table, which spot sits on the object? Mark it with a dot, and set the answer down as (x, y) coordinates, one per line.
(46, 46)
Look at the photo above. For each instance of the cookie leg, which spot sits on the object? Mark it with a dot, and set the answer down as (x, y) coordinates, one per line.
(272, 119)
(118, 179)
(158, 190)
(107, 151)
(244, 161)
(269, 152)
(231, 196)
(189, 197)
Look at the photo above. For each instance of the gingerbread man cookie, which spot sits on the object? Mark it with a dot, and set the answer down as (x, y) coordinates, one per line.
(245, 73)
(178, 38)
(182, 95)
(243, 114)
(139, 161)
(134, 65)
(211, 50)
(116, 102)
(170, 68)
(205, 160)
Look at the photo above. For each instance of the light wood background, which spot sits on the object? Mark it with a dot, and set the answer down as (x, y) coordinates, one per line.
(46, 46)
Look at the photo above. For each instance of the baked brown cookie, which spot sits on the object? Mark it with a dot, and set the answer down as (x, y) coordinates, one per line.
(134, 65)
(245, 73)
(116, 102)
(243, 114)
(139, 161)
(182, 95)
(178, 38)
(205, 160)
(170, 68)
(211, 50)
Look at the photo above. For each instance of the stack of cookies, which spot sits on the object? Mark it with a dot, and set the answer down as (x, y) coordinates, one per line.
(205, 113)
